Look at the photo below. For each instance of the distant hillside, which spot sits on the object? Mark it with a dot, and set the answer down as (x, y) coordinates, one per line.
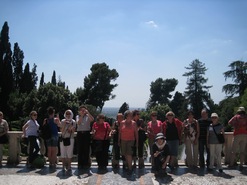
(111, 112)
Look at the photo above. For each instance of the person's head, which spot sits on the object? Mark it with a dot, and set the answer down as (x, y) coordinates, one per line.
(160, 138)
(136, 114)
(214, 117)
(33, 115)
(82, 110)
(68, 115)
(128, 114)
(190, 114)
(100, 118)
(153, 115)
(50, 111)
(204, 114)
(120, 117)
(241, 110)
(170, 115)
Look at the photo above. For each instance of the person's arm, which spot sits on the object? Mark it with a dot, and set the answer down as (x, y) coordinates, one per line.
(24, 129)
(136, 135)
(91, 118)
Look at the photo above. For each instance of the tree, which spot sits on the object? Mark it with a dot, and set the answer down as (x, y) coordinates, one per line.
(179, 105)
(26, 84)
(17, 62)
(97, 85)
(238, 73)
(161, 91)
(42, 81)
(6, 73)
(123, 108)
(34, 76)
(196, 92)
(53, 78)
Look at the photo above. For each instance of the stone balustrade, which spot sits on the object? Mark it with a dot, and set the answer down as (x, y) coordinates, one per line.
(15, 147)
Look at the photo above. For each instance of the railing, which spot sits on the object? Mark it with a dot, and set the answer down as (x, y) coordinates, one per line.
(14, 148)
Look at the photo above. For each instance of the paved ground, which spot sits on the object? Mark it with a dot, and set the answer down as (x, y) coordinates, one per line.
(21, 175)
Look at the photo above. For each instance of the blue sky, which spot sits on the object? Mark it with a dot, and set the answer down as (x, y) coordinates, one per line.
(142, 39)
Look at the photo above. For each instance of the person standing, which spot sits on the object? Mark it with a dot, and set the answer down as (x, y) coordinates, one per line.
(52, 143)
(30, 131)
(239, 123)
(141, 137)
(101, 131)
(191, 134)
(114, 134)
(128, 138)
(4, 128)
(214, 145)
(67, 126)
(172, 129)
(153, 128)
(204, 123)
(83, 121)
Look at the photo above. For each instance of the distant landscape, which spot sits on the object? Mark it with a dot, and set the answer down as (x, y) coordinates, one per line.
(111, 112)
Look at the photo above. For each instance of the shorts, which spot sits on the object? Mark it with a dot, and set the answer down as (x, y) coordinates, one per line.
(173, 147)
(67, 151)
(52, 142)
(127, 147)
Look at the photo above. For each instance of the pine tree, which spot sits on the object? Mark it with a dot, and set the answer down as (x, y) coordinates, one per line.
(17, 62)
(41, 83)
(6, 73)
(53, 78)
(196, 92)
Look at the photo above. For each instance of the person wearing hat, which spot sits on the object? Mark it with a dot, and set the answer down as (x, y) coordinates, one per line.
(239, 123)
(215, 146)
(161, 154)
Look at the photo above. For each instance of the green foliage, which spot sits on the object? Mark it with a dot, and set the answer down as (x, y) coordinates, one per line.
(97, 85)
(160, 91)
(196, 92)
(243, 101)
(161, 112)
(179, 105)
(238, 73)
(227, 109)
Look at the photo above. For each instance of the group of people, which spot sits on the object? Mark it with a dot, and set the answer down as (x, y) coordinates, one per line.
(129, 134)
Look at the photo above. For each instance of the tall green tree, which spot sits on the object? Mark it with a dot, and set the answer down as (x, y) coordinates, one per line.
(238, 73)
(161, 91)
(97, 85)
(53, 78)
(6, 73)
(17, 62)
(197, 93)
(26, 84)
(42, 80)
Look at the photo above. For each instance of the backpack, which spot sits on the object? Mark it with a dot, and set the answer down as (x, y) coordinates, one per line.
(39, 161)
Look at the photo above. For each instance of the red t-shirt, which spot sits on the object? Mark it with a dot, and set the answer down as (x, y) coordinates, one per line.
(154, 129)
(239, 122)
(101, 131)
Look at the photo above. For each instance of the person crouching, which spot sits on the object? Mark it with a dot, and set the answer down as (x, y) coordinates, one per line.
(161, 155)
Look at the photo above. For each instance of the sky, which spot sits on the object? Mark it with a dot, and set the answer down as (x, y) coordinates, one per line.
(143, 40)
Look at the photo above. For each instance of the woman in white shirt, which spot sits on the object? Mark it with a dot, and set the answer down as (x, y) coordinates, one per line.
(30, 131)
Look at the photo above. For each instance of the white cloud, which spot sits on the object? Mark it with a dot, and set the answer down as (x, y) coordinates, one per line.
(152, 24)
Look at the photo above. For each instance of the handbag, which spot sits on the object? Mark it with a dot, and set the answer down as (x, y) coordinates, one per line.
(66, 141)
(220, 137)
(4, 139)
